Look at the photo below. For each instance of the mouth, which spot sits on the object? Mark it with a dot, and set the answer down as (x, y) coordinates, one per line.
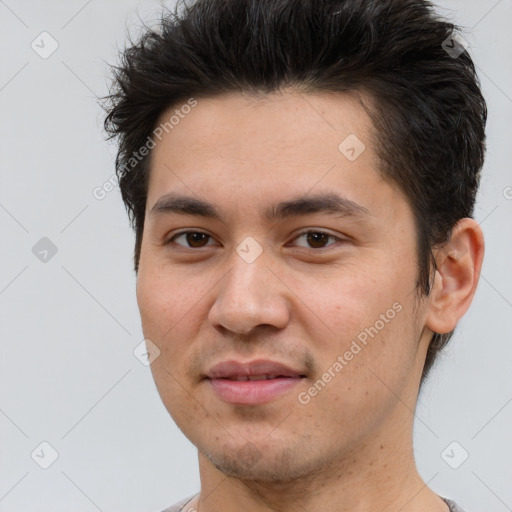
(243, 378)
(253, 383)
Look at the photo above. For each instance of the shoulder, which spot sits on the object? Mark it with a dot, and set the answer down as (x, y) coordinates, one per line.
(180, 506)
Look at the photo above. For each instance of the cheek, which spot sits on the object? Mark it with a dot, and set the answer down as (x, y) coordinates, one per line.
(371, 363)
(162, 301)
(172, 309)
(164, 292)
(151, 300)
(368, 319)
(163, 304)
(343, 302)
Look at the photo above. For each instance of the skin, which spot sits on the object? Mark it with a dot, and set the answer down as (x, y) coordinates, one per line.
(350, 448)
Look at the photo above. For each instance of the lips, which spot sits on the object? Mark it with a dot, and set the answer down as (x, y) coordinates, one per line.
(254, 370)
(240, 378)
(253, 383)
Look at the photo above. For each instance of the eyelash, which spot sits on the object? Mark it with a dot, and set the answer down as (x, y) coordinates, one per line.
(310, 231)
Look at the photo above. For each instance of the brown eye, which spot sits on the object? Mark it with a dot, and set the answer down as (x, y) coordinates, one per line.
(194, 239)
(317, 239)
(197, 239)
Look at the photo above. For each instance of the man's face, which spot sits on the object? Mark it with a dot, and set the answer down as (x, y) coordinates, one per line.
(344, 293)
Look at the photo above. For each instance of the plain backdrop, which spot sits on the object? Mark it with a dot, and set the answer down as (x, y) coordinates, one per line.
(69, 318)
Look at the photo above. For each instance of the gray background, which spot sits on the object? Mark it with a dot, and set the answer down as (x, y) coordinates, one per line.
(68, 375)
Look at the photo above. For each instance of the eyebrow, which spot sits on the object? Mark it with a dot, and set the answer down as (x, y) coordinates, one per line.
(304, 205)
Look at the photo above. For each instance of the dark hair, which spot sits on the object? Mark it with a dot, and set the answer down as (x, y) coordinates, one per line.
(427, 109)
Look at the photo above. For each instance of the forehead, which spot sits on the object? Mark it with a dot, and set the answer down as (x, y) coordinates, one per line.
(276, 119)
(254, 147)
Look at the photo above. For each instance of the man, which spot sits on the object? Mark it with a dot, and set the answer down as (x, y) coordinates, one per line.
(301, 177)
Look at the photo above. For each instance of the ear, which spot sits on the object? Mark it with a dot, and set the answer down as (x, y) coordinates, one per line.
(458, 269)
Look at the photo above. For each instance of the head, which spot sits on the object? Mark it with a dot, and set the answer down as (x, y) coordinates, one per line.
(246, 104)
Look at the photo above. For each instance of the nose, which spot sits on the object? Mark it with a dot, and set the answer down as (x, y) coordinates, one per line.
(250, 295)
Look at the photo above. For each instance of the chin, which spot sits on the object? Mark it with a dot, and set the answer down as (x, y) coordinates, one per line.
(262, 465)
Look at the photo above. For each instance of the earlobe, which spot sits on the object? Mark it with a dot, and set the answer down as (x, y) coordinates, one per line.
(458, 269)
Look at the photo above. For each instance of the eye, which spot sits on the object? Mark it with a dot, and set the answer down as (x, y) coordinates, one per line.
(314, 239)
(317, 239)
(194, 239)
